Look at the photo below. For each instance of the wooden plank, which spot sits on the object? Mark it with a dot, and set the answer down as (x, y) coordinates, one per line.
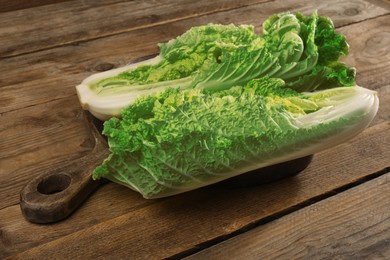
(382, 3)
(19, 147)
(354, 224)
(166, 227)
(384, 108)
(84, 22)
(371, 75)
(12, 5)
(94, 19)
(18, 235)
(123, 197)
(54, 73)
(36, 139)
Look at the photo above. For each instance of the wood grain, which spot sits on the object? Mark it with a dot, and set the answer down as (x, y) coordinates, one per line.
(45, 123)
(41, 129)
(55, 72)
(37, 139)
(56, 194)
(166, 227)
(384, 108)
(12, 5)
(352, 225)
(81, 21)
(84, 20)
(382, 3)
(17, 234)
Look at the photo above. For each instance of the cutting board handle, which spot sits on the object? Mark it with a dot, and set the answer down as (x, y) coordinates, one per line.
(54, 195)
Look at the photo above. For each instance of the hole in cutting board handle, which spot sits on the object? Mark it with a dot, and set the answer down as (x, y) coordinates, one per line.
(54, 184)
(54, 195)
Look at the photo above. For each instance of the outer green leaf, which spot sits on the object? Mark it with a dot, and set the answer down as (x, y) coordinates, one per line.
(182, 140)
(302, 50)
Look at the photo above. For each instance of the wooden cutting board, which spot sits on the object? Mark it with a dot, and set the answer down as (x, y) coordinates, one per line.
(54, 195)
(337, 206)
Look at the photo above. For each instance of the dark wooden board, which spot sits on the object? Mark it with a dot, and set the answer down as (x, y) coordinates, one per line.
(12, 5)
(56, 71)
(37, 139)
(45, 123)
(353, 225)
(166, 227)
(42, 128)
(94, 19)
(76, 21)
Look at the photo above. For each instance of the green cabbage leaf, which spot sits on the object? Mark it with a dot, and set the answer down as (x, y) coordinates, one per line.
(222, 100)
(301, 50)
(179, 140)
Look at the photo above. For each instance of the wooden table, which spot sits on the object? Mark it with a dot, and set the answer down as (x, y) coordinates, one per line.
(339, 207)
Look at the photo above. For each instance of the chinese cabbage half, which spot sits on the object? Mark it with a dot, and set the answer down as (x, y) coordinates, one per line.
(301, 50)
(221, 100)
(180, 140)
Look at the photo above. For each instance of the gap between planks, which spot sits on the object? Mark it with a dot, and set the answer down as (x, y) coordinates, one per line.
(139, 27)
(74, 94)
(326, 229)
(67, 94)
(158, 211)
(384, 116)
(364, 20)
(284, 212)
(167, 21)
(367, 19)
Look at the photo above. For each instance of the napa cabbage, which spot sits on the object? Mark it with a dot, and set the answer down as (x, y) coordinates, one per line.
(301, 50)
(221, 100)
(179, 140)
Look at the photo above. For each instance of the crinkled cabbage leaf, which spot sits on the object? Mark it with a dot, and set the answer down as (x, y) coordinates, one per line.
(301, 50)
(181, 140)
(221, 100)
